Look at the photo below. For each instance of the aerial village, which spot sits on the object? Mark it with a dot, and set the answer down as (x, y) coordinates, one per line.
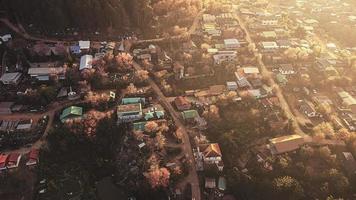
(251, 95)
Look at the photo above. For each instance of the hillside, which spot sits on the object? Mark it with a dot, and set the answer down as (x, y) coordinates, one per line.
(82, 14)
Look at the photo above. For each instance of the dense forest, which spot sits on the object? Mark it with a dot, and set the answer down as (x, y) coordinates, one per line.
(82, 14)
(102, 15)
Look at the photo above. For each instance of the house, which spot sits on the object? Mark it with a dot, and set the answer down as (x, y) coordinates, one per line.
(269, 34)
(231, 85)
(129, 112)
(207, 18)
(86, 62)
(13, 160)
(33, 157)
(211, 154)
(248, 71)
(287, 69)
(73, 112)
(3, 161)
(231, 44)
(210, 183)
(349, 163)
(84, 45)
(44, 73)
(5, 107)
(182, 103)
(133, 100)
(190, 115)
(307, 108)
(11, 78)
(347, 100)
(24, 125)
(224, 56)
(269, 46)
(285, 144)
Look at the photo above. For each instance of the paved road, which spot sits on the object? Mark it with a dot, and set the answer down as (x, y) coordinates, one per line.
(273, 84)
(283, 102)
(187, 149)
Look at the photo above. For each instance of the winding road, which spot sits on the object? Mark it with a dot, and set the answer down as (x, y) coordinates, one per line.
(192, 178)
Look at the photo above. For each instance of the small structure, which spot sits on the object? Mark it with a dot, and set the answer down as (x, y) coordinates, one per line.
(182, 103)
(3, 161)
(231, 44)
(285, 144)
(190, 115)
(72, 112)
(129, 112)
(231, 85)
(86, 62)
(269, 34)
(133, 100)
(44, 73)
(11, 78)
(13, 160)
(250, 70)
(33, 157)
(84, 45)
(25, 125)
(269, 46)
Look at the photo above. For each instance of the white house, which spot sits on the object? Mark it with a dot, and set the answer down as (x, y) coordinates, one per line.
(86, 62)
(231, 43)
(84, 45)
(11, 78)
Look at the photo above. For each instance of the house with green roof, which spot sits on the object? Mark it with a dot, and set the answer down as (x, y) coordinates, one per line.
(139, 126)
(189, 115)
(133, 100)
(71, 113)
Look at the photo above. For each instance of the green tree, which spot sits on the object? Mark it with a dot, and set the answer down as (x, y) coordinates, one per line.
(288, 188)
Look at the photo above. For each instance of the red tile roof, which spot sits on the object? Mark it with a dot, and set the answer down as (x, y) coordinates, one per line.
(3, 160)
